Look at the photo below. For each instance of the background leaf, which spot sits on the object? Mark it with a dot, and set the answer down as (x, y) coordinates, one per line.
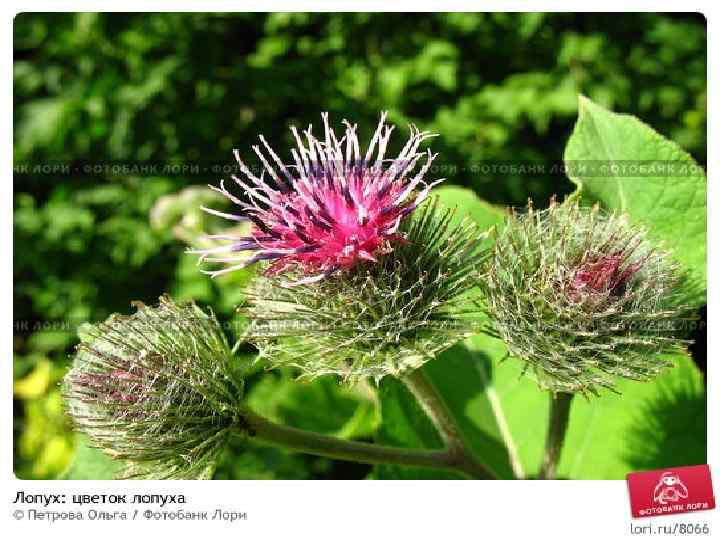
(90, 464)
(462, 379)
(648, 425)
(319, 405)
(468, 204)
(673, 206)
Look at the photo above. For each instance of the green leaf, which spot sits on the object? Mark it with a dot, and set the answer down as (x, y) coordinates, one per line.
(462, 378)
(320, 405)
(469, 204)
(648, 425)
(90, 464)
(671, 204)
(404, 424)
(243, 461)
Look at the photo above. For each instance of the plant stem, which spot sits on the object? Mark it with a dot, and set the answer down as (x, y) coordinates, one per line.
(445, 422)
(559, 416)
(434, 406)
(323, 445)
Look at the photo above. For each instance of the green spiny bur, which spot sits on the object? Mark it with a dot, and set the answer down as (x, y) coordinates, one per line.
(155, 390)
(382, 318)
(581, 296)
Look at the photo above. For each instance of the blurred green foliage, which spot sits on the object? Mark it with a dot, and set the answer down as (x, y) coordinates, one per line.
(173, 87)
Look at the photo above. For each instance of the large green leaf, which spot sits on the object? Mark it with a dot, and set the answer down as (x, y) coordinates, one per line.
(90, 464)
(462, 379)
(249, 461)
(468, 204)
(671, 202)
(318, 405)
(648, 425)
(404, 424)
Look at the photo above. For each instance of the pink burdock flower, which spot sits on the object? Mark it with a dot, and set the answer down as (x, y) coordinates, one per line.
(604, 275)
(330, 209)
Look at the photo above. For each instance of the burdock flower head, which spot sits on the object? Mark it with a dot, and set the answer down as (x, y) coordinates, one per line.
(334, 207)
(581, 296)
(155, 390)
(381, 318)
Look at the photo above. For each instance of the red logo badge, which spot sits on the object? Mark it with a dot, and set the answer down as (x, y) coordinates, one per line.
(671, 491)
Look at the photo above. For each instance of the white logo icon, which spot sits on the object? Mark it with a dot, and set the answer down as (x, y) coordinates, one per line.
(669, 489)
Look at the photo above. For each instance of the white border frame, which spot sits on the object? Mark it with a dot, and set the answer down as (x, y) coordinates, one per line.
(498, 509)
